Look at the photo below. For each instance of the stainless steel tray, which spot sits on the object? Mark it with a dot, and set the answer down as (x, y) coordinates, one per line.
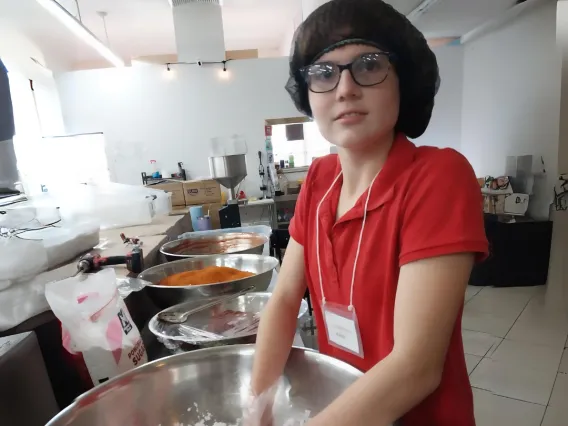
(213, 382)
(209, 245)
(252, 303)
(166, 296)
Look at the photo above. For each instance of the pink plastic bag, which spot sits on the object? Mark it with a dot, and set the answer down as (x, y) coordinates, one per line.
(96, 323)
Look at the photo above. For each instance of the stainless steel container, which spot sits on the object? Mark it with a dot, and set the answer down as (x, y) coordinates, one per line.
(166, 296)
(208, 386)
(207, 245)
(229, 171)
(252, 303)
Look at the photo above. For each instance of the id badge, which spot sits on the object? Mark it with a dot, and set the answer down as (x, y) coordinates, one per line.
(342, 328)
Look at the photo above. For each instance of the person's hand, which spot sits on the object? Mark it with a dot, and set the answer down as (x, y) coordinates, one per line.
(258, 411)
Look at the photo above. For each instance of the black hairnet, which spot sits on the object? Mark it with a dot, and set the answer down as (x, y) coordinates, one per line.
(381, 25)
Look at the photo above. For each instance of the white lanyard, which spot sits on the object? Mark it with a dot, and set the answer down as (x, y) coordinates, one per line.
(358, 245)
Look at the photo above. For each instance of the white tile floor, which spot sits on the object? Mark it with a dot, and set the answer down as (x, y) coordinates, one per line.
(516, 355)
(515, 348)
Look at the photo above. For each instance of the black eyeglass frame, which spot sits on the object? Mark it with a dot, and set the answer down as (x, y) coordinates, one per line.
(303, 72)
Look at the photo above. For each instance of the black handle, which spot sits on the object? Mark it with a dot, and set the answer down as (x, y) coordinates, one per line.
(113, 260)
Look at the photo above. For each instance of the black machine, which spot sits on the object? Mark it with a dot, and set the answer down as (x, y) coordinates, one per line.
(229, 216)
(93, 262)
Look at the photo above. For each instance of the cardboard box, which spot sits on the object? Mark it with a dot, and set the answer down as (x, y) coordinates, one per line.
(174, 188)
(506, 204)
(201, 192)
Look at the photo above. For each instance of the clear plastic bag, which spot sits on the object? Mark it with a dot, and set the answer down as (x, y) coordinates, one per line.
(96, 323)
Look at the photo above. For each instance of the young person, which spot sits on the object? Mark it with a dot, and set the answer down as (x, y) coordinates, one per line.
(385, 233)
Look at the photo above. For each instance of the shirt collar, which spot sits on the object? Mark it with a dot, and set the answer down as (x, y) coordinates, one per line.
(401, 156)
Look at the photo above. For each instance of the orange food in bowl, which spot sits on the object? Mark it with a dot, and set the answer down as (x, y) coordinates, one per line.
(208, 275)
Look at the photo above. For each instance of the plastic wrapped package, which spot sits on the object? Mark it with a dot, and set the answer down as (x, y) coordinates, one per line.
(25, 298)
(31, 226)
(20, 259)
(111, 205)
(36, 240)
(67, 241)
(96, 325)
(22, 215)
(161, 202)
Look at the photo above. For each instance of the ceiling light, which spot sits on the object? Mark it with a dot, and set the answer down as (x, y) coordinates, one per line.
(224, 74)
(80, 31)
(169, 74)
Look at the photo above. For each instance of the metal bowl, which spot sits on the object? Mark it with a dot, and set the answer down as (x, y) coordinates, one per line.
(166, 296)
(208, 386)
(207, 245)
(250, 302)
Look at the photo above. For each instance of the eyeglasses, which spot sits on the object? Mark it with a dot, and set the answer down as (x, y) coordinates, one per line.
(369, 69)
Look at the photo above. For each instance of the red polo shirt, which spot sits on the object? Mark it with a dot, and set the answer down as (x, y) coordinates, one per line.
(426, 202)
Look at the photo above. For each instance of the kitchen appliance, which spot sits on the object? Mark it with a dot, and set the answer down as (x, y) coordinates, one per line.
(209, 386)
(229, 171)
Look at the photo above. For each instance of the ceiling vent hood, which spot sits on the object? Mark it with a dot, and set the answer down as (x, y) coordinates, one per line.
(199, 30)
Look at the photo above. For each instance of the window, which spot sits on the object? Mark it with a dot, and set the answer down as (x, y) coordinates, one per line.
(304, 151)
(45, 161)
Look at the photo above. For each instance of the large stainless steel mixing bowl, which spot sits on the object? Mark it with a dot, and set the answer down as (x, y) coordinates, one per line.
(252, 303)
(208, 386)
(206, 245)
(166, 296)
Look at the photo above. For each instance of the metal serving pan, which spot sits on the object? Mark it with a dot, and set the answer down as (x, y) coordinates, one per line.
(252, 303)
(166, 296)
(208, 245)
(209, 386)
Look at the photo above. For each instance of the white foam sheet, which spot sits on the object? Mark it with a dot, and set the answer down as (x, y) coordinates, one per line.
(26, 298)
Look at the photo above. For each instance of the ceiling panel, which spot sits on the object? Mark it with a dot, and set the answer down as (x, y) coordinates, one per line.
(253, 24)
(449, 18)
(145, 27)
(404, 6)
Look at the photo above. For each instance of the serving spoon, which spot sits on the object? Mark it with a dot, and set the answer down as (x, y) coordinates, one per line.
(177, 317)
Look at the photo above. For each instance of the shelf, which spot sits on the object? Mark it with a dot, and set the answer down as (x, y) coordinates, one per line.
(286, 198)
(303, 169)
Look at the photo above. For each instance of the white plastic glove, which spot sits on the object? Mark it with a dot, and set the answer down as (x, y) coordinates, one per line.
(258, 411)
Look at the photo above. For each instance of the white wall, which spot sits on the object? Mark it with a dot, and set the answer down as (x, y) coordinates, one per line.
(557, 289)
(146, 116)
(511, 98)
(444, 130)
